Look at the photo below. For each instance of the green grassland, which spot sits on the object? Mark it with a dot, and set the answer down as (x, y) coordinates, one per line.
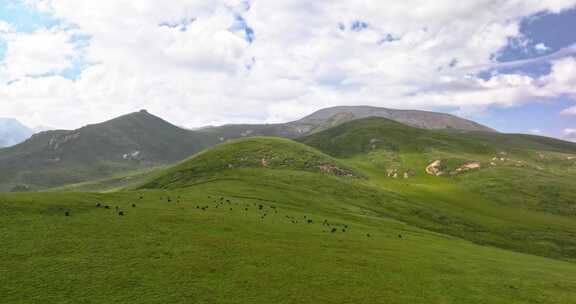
(267, 220)
(116, 182)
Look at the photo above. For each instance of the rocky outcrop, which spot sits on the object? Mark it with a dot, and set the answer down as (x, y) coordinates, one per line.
(58, 141)
(334, 170)
(435, 168)
(466, 167)
(395, 173)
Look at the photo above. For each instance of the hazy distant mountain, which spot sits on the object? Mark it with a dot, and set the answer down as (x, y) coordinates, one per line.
(13, 132)
(330, 117)
(419, 119)
(128, 142)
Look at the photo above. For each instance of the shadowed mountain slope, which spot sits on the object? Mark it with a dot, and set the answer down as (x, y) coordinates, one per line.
(128, 142)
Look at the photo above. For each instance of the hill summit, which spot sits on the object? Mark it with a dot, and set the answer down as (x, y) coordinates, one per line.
(128, 142)
(250, 153)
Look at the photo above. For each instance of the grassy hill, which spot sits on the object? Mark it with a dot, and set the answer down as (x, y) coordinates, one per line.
(258, 152)
(115, 182)
(140, 141)
(265, 220)
(131, 142)
(519, 198)
(169, 249)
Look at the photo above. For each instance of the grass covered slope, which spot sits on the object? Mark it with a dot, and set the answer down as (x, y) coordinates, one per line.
(520, 196)
(374, 133)
(267, 220)
(253, 236)
(255, 152)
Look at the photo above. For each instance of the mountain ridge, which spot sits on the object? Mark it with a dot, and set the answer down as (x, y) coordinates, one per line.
(333, 116)
(142, 140)
(132, 141)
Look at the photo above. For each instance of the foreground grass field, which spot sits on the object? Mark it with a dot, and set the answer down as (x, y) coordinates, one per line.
(269, 220)
(173, 252)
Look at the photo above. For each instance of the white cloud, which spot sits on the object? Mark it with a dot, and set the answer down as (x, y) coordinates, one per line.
(42, 52)
(569, 111)
(541, 48)
(570, 134)
(536, 131)
(5, 27)
(205, 73)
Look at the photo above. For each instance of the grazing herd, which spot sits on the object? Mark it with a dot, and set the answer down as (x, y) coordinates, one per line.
(222, 203)
(266, 211)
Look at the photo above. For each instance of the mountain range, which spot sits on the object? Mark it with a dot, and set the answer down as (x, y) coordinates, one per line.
(141, 140)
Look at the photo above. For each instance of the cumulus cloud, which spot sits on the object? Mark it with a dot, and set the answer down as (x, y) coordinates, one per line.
(199, 62)
(570, 134)
(541, 48)
(569, 111)
(39, 53)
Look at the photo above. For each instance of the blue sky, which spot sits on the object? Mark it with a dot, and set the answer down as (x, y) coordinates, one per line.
(554, 31)
(238, 61)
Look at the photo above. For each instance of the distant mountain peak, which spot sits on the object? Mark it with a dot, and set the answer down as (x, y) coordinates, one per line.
(416, 118)
(13, 132)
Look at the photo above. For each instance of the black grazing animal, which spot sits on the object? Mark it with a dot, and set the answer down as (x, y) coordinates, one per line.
(133, 205)
(309, 221)
(368, 234)
(67, 213)
(334, 230)
(121, 213)
(106, 207)
(141, 197)
(399, 236)
(98, 205)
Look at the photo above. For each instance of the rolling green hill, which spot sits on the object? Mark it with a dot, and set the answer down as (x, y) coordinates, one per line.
(141, 141)
(351, 214)
(259, 152)
(519, 197)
